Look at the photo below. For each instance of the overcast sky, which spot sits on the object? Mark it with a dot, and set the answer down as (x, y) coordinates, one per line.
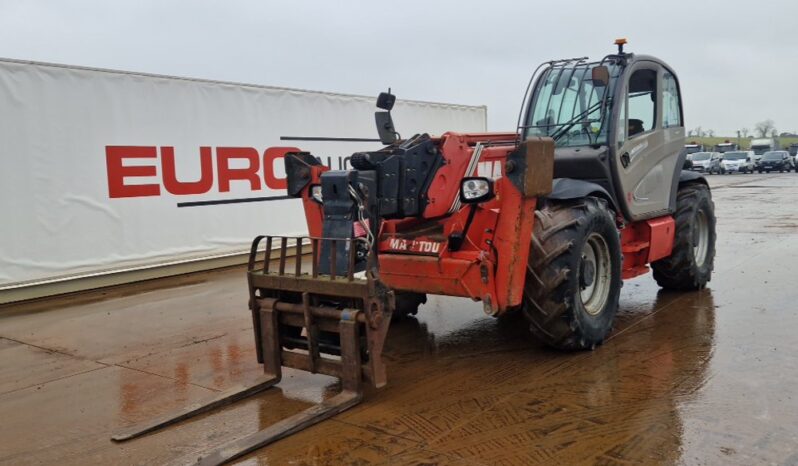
(737, 61)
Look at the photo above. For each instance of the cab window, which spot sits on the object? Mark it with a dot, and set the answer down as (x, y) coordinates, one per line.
(642, 102)
(621, 131)
(567, 106)
(671, 110)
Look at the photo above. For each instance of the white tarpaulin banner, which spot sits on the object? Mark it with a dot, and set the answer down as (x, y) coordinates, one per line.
(106, 170)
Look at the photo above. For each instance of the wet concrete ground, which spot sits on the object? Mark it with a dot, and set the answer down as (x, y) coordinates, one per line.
(698, 378)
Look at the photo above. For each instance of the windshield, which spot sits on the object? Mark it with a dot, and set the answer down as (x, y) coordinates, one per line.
(567, 105)
(700, 156)
(772, 156)
(693, 149)
(735, 155)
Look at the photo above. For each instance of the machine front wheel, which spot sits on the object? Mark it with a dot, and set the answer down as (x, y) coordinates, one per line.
(573, 279)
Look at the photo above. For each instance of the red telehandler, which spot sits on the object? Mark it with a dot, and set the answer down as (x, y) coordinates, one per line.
(587, 192)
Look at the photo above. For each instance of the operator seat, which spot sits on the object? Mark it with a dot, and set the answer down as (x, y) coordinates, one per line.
(547, 121)
(635, 126)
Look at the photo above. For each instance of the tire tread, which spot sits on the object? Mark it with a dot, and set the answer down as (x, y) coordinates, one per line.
(546, 290)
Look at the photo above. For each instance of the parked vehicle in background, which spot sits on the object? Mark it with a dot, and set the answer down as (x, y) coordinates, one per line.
(692, 148)
(726, 147)
(793, 150)
(775, 160)
(716, 164)
(739, 161)
(760, 146)
(707, 162)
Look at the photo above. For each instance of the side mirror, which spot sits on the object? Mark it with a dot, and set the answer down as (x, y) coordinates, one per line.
(600, 75)
(385, 128)
(748, 159)
(386, 100)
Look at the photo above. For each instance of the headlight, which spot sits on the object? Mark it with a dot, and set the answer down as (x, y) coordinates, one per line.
(473, 190)
(315, 193)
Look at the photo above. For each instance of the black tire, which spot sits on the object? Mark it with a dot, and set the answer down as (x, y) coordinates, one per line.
(684, 269)
(564, 234)
(407, 303)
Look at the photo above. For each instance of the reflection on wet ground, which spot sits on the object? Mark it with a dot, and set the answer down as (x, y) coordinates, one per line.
(695, 378)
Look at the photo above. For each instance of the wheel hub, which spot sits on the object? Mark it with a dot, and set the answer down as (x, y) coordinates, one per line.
(700, 238)
(588, 274)
(595, 274)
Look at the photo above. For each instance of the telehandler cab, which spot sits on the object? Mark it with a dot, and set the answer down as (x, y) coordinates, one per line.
(547, 221)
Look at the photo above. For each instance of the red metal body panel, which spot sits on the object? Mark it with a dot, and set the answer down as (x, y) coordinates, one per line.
(490, 265)
(456, 149)
(644, 242)
(435, 275)
(663, 231)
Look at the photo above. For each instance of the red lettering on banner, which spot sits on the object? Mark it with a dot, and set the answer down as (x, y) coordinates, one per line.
(269, 157)
(227, 174)
(117, 172)
(174, 186)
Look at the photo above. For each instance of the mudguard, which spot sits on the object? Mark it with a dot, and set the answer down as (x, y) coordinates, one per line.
(569, 188)
(687, 176)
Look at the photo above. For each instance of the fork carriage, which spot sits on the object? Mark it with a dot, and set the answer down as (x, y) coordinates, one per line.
(332, 323)
(283, 304)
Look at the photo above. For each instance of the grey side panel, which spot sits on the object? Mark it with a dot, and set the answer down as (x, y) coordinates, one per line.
(568, 188)
(678, 174)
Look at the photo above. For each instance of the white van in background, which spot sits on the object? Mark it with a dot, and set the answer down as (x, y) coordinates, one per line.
(738, 161)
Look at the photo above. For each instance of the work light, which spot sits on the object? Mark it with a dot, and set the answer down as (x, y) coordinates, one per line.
(476, 189)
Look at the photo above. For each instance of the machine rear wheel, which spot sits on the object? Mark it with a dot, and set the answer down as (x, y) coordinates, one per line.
(689, 267)
(573, 278)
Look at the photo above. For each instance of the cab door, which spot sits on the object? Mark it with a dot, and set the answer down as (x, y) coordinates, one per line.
(649, 138)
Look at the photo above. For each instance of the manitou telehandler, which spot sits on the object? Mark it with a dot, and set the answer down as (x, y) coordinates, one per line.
(546, 221)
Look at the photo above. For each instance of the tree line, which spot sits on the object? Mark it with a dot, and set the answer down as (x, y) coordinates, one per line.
(763, 129)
